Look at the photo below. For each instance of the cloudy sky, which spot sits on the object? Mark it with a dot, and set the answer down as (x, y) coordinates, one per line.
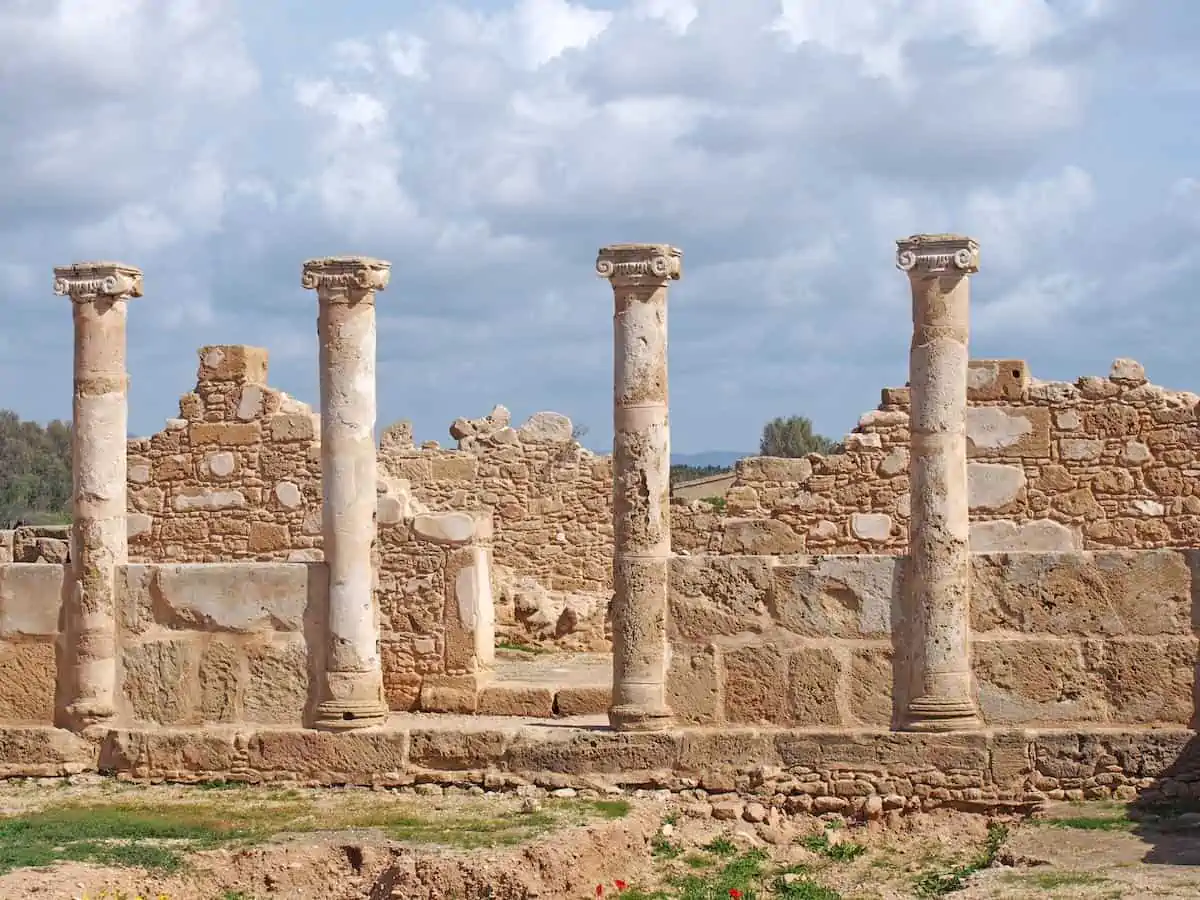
(489, 147)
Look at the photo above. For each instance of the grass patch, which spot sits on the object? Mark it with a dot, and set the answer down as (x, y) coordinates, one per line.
(1088, 823)
(514, 647)
(160, 836)
(795, 884)
(114, 835)
(1049, 881)
(841, 851)
(611, 809)
(720, 846)
(938, 883)
(741, 873)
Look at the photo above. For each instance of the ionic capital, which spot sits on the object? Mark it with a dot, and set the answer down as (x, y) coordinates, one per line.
(937, 254)
(640, 264)
(86, 282)
(343, 275)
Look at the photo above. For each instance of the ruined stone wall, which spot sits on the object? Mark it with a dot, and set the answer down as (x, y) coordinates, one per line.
(235, 477)
(1101, 463)
(436, 608)
(217, 644)
(31, 597)
(551, 498)
(1104, 637)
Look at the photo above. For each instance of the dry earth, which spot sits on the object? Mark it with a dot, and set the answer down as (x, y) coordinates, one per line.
(98, 837)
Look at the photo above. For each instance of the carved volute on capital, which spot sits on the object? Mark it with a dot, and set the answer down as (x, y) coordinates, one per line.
(640, 264)
(343, 275)
(85, 282)
(937, 254)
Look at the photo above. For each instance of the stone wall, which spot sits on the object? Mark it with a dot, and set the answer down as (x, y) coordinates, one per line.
(1101, 463)
(36, 543)
(550, 497)
(31, 597)
(235, 477)
(207, 644)
(1105, 637)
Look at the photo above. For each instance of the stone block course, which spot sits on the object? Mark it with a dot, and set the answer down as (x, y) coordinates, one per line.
(1104, 463)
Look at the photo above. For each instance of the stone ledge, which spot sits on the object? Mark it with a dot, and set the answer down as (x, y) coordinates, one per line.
(809, 769)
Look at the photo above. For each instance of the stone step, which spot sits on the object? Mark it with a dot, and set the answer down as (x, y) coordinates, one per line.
(531, 699)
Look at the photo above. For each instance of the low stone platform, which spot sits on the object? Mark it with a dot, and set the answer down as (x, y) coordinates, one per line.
(855, 772)
(564, 685)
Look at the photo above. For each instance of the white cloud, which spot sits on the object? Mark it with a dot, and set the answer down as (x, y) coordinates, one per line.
(1017, 225)
(677, 15)
(488, 149)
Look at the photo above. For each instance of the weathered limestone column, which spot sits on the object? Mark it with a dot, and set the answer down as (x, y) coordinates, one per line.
(639, 274)
(99, 293)
(352, 688)
(938, 266)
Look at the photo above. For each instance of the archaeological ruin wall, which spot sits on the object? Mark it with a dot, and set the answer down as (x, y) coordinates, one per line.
(982, 657)
(1101, 637)
(1102, 463)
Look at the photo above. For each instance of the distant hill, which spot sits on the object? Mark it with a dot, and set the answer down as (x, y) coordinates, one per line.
(719, 458)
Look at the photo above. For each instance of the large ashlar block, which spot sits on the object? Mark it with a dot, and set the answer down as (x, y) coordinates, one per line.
(1008, 432)
(28, 675)
(233, 362)
(1149, 682)
(997, 379)
(871, 686)
(220, 597)
(753, 693)
(712, 595)
(470, 611)
(694, 686)
(839, 596)
(1037, 536)
(1137, 592)
(1036, 682)
(31, 599)
(764, 537)
(993, 487)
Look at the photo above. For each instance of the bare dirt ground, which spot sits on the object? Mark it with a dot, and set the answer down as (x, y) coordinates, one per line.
(98, 837)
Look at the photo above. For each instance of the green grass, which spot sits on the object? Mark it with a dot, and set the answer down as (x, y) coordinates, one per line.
(743, 873)
(1049, 881)
(611, 809)
(940, 882)
(720, 846)
(160, 837)
(520, 648)
(114, 835)
(843, 851)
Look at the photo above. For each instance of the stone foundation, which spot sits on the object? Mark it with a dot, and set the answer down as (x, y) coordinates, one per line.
(860, 773)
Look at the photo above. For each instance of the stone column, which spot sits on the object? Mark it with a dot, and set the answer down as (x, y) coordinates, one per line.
(99, 293)
(639, 274)
(352, 685)
(938, 266)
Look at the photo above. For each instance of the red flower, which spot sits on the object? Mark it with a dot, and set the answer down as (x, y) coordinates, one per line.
(599, 890)
(735, 893)
(620, 885)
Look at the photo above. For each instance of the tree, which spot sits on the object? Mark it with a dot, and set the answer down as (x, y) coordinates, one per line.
(35, 471)
(793, 437)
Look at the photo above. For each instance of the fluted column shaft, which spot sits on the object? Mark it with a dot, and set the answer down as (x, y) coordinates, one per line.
(938, 267)
(99, 541)
(639, 274)
(352, 686)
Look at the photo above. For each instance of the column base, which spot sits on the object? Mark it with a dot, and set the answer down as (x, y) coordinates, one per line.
(85, 713)
(941, 714)
(628, 717)
(347, 715)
